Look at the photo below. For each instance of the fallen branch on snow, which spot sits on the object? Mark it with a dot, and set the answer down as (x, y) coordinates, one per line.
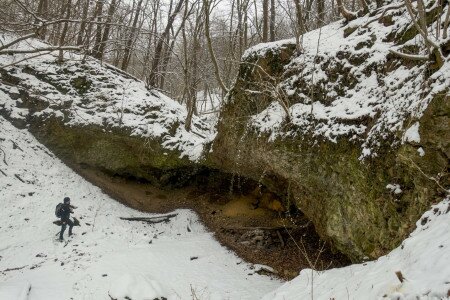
(151, 220)
(50, 48)
(265, 228)
(4, 156)
(14, 269)
(18, 177)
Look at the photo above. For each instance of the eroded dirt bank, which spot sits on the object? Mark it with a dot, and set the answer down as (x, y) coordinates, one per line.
(243, 217)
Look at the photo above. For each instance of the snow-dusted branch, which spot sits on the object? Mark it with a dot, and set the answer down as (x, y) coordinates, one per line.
(50, 48)
(423, 173)
(25, 59)
(419, 29)
(273, 88)
(18, 40)
(409, 56)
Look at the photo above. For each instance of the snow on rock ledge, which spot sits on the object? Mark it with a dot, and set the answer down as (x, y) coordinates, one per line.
(82, 94)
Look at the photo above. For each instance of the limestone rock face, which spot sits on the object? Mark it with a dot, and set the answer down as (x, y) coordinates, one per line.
(347, 136)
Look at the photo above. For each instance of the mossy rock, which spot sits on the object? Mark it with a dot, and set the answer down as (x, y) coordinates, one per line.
(81, 83)
(345, 198)
(114, 151)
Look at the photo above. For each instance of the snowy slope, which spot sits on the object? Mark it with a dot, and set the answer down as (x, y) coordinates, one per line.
(91, 93)
(107, 255)
(423, 260)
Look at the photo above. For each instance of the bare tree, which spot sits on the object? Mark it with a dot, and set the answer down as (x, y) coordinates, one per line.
(272, 20)
(153, 76)
(265, 30)
(131, 38)
(207, 12)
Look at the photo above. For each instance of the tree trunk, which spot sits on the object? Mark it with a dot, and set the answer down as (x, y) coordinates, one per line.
(320, 13)
(153, 77)
(98, 33)
(300, 24)
(272, 20)
(64, 31)
(42, 13)
(105, 37)
(210, 47)
(130, 41)
(83, 23)
(265, 30)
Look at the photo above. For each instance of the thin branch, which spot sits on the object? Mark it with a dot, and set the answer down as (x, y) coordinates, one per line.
(446, 23)
(31, 35)
(423, 173)
(23, 6)
(4, 156)
(276, 91)
(52, 48)
(409, 56)
(419, 29)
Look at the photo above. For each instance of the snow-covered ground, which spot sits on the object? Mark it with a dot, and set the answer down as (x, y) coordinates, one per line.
(423, 260)
(176, 260)
(107, 255)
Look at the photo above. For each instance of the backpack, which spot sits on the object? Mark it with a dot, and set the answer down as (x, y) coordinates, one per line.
(58, 210)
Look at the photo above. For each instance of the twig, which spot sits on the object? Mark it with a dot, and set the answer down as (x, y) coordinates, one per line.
(18, 177)
(400, 276)
(280, 238)
(14, 269)
(15, 146)
(274, 91)
(95, 216)
(198, 134)
(26, 58)
(423, 173)
(264, 228)
(4, 156)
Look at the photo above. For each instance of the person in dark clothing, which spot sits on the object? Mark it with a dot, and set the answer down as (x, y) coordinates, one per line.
(66, 210)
